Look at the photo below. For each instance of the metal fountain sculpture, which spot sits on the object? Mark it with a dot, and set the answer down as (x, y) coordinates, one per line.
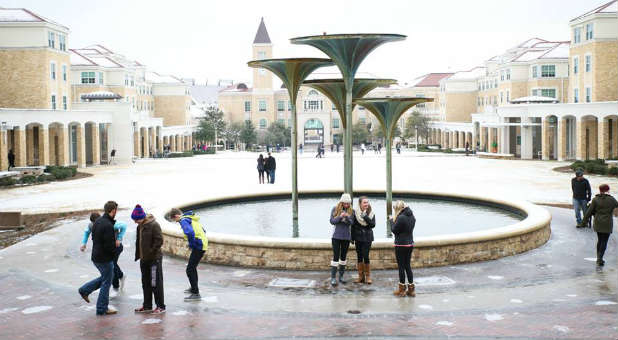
(347, 51)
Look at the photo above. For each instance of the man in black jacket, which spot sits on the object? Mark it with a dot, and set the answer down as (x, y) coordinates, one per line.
(271, 166)
(581, 196)
(103, 249)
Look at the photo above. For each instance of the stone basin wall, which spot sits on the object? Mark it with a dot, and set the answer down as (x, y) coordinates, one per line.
(316, 254)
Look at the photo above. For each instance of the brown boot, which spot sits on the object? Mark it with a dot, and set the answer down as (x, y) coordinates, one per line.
(368, 274)
(411, 291)
(401, 290)
(361, 273)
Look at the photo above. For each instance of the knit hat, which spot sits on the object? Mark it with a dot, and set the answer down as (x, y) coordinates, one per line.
(579, 172)
(138, 213)
(345, 198)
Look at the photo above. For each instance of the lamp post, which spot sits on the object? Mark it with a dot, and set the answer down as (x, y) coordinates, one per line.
(347, 51)
(292, 72)
(388, 111)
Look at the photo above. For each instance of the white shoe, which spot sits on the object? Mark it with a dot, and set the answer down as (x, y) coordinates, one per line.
(121, 281)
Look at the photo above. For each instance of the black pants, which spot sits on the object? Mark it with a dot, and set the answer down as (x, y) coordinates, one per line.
(118, 274)
(261, 176)
(340, 249)
(194, 260)
(152, 282)
(362, 251)
(404, 256)
(602, 244)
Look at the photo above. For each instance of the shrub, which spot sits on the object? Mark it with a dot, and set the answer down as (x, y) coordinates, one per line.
(208, 151)
(613, 171)
(45, 178)
(599, 169)
(7, 181)
(62, 172)
(28, 179)
(180, 154)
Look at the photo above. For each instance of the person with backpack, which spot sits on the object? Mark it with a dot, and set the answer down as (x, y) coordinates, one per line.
(196, 241)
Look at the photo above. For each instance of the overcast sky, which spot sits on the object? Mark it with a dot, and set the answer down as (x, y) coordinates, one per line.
(212, 39)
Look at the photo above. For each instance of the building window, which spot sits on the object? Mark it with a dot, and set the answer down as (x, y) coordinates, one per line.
(52, 68)
(64, 103)
(508, 74)
(281, 121)
(64, 72)
(62, 42)
(262, 105)
(548, 71)
(589, 31)
(548, 93)
(535, 73)
(501, 75)
(335, 123)
(126, 80)
(483, 86)
(289, 106)
(588, 94)
(577, 35)
(575, 65)
(535, 92)
(280, 105)
(501, 97)
(362, 121)
(588, 63)
(262, 123)
(576, 96)
(53, 101)
(51, 39)
(496, 83)
(247, 106)
(313, 105)
(88, 78)
(132, 78)
(101, 78)
(478, 101)
(261, 55)
(508, 96)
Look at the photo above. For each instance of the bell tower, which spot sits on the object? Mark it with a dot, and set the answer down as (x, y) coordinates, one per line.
(262, 49)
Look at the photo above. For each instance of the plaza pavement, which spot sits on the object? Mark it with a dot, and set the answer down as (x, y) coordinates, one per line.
(553, 292)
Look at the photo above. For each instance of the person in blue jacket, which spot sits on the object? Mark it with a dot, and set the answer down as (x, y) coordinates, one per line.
(196, 240)
(120, 228)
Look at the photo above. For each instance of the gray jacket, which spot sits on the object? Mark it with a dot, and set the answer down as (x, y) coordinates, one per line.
(341, 226)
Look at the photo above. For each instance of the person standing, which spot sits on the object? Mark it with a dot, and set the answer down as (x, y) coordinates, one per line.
(300, 148)
(341, 217)
(362, 148)
(581, 196)
(467, 148)
(271, 166)
(103, 250)
(380, 148)
(260, 169)
(403, 227)
(362, 236)
(11, 157)
(337, 147)
(196, 237)
(602, 207)
(148, 244)
(319, 150)
(398, 147)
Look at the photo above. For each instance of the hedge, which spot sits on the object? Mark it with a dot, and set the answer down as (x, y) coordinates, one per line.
(597, 166)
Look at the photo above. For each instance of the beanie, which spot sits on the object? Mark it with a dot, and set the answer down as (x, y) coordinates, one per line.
(138, 213)
(345, 198)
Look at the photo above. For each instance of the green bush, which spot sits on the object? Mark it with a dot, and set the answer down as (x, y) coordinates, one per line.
(7, 181)
(613, 171)
(599, 169)
(597, 166)
(28, 179)
(208, 151)
(45, 178)
(180, 154)
(62, 173)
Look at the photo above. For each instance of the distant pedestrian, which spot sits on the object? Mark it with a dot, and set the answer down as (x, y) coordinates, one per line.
(195, 235)
(362, 236)
(602, 207)
(337, 147)
(271, 167)
(341, 217)
(403, 227)
(362, 148)
(380, 148)
(148, 244)
(467, 148)
(103, 252)
(300, 148)
(398, 148)
(581, 196)
(11, 157)
(112, 155)
(332, 147)
(260, 169)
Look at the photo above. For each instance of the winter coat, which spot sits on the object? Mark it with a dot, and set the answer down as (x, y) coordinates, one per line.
(260, 164)
(602, 207)
(403, 228)
(363, 233)
(103, 239)
(270, 163)
(149, 240)
(581, 189)
(193, 230)
(341, 226)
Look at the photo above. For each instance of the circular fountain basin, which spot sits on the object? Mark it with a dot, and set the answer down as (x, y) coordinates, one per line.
(256, 230)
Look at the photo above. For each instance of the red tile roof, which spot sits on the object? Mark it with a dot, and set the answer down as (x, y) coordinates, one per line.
(431, 79)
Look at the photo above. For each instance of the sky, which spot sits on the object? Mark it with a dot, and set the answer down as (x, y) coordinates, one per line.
(211, 40)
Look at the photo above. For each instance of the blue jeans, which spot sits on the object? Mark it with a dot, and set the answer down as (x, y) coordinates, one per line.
(579, 206)
(103, 282)
(272, 176)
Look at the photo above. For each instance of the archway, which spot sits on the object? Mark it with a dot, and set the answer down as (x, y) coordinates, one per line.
(587, 138)
(314, 131)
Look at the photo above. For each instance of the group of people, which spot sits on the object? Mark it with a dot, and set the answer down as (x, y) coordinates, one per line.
(356, 226)
(266, 165)
(107, 235)
(603, 207)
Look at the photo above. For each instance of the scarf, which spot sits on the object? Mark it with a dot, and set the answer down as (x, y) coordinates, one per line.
(360, 219)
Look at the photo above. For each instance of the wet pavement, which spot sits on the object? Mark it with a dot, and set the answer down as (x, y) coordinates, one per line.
(553, 292)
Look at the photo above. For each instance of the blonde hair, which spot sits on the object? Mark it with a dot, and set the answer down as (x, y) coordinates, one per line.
(339, 209)
(398, 207)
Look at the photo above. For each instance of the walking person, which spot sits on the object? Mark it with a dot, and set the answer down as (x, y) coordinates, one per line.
(581, 196)
(260, 169)
(271, 167)
(362, 236)
(403, 227)
(196, 240)
(362, 148)
(337, 147)
(103, 250)
(319, 150)
(380, 148)
(341, 217)
(300, 148)
(602, 207)
(148, 242)
(398, 147)
(11, 157)
(467, 148)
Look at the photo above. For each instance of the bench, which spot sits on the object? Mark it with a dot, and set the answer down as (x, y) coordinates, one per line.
(492, 155)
